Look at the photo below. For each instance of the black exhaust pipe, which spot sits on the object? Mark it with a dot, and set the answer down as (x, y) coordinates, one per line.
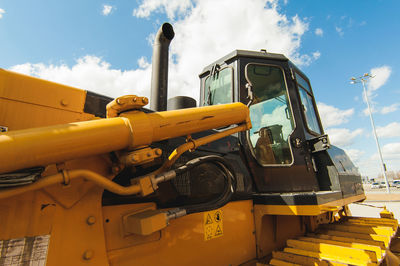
(159, 75)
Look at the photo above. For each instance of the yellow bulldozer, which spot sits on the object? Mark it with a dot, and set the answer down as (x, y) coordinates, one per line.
(246, 178)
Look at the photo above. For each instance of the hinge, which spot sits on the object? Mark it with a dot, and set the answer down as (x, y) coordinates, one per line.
(291, 73)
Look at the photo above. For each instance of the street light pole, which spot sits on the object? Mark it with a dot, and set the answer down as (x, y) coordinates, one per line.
(363, 79)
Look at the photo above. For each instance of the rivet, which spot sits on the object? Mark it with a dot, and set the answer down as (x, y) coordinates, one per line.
(149, 154)
(88, 254)
(158, 152)
(91, 220)
(134, 99)
(135, 158)
(64, 102)
(145, 100)
(119, 101)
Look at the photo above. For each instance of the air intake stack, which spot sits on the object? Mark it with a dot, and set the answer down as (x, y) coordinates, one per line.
(159, 76)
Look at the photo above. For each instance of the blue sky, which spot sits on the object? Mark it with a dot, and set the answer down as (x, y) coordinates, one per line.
(105, 46)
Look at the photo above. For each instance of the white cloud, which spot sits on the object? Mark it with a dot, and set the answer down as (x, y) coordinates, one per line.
(391, 150)
(94, 74)
(391, 157)
(107, 10)
(316, 55)
(332, 116)
(339, 31)
(390, 130)
(319, 32)
(366, 111)
(2, 11)
(143, 63)
(203, 34)
(389, 109)
(170, 7)
(342, 136)
(380, 77)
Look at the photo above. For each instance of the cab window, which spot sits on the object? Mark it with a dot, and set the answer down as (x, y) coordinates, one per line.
(218, 87)
(270, 115)
(307, 104)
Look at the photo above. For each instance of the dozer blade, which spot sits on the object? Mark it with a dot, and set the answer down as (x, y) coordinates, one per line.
(350, 241)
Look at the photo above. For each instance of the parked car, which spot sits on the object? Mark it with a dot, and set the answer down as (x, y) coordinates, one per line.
(376, 185)
(396, 183)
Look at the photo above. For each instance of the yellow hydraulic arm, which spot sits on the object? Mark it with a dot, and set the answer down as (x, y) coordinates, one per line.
(132, 129)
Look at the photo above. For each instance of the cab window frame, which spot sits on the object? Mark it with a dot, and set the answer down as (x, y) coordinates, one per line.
(205, 92)
(294, 127)
(309, 92)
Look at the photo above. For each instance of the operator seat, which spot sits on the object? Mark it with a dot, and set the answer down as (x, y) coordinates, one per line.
(264, 152)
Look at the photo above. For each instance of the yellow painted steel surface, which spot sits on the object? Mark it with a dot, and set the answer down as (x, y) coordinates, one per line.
(71, 215)
(307, 210)
(182, 242)
(42, 146)
(27, 102)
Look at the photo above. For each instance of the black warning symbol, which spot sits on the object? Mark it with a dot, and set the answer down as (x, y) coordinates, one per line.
(208, 233)
(209, 220)
(218, 216)
(218, 231)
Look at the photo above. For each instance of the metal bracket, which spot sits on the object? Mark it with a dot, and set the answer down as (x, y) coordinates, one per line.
(125, 103)
(141, 156)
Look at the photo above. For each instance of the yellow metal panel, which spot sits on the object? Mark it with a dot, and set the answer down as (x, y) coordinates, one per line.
(384, 239)
(379, 244)
(182, 242)
(273, 231)
(307, 210)
(374, 221)
(301, 260)
(19, 115)
(333, 259)
(377, 250)
(22, 88)
(73, 232)
(333, 250)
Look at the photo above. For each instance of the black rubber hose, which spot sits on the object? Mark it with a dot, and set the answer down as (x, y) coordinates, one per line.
(230, 182)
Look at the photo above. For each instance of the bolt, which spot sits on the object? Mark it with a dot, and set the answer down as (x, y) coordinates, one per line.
(145, 100)
(158, 152)
(134, 99)
(64, 102)
(119, 101)
(88, 254)
(135, 158)
(91, 220)
(149, 154)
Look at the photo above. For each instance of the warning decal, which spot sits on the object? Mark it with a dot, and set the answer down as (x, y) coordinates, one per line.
(213, 225)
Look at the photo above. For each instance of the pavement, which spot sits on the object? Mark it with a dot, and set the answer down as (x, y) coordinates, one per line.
(375, 202)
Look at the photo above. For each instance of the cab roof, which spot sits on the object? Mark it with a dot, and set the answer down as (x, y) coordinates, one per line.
(244, 53)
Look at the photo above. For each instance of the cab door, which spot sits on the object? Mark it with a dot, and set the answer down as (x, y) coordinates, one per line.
(274, 146)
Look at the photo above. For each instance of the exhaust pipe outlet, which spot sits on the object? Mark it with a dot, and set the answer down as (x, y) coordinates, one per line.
(159, 75)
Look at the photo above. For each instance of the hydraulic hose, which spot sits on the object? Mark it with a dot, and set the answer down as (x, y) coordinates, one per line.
(230, 183)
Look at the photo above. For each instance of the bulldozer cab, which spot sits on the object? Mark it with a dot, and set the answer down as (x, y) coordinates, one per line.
(286, 148)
